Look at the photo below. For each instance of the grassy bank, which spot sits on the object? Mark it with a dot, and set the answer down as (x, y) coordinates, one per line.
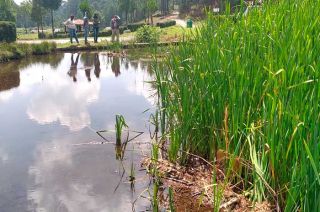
(250, 86)
(12, 51)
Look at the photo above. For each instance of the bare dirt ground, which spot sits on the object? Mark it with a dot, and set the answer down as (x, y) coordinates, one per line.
(195, 190)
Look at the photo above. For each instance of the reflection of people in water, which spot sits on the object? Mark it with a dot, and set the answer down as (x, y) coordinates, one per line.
(115, 66)
(88, 60)
(74, 68)
(88, 74)
(97, 68)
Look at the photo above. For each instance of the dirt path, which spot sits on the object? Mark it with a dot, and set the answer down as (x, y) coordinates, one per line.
(175, 17)
(67, 40)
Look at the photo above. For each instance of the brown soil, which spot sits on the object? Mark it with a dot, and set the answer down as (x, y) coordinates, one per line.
(193, 187)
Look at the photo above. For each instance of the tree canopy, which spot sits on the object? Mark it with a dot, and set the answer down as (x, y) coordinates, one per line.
(7, 10)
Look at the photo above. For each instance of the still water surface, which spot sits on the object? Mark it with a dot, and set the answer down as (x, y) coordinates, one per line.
(51, 158)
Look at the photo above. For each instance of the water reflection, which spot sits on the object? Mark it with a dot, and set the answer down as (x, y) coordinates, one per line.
(9, 79)
(88, 61)
(54, 161)
(116, 66)
(74, 67)
(97, 68)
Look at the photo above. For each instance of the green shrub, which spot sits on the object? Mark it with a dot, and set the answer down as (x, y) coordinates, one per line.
(12, 51)
(135, 27)
(105, 33)
(8, 32)
(147, 34)
(43, 48)
(166, 24)
(122, 29)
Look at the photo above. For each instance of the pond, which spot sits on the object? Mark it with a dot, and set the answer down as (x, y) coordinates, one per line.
(51, 158)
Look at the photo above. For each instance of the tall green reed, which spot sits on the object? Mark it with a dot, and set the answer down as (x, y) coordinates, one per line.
(263, 69)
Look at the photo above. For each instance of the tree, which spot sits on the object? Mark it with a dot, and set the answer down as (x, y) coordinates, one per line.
(37, 13)
(124, 5)
(85, 7)
(184, 6)
(164, 7)
(152, 6)
(51, 5)
(24, 14)
(7, 10)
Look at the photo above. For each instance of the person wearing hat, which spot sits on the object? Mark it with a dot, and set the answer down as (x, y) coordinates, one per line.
(72, 29)
(115, 27)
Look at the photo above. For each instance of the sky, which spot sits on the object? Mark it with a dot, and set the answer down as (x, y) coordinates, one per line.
(18, 1)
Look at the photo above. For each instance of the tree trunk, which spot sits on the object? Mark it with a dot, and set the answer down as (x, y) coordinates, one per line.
(52, 23)
(151, 19)
(25, 28)
(126, 17)
(41, 24)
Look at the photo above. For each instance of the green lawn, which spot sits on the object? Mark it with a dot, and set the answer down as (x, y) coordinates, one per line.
(29, 36)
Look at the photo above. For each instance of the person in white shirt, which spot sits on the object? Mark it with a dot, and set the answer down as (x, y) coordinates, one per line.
(72, 29)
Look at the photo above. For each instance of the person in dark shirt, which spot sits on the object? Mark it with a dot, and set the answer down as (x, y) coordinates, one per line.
(96, 23)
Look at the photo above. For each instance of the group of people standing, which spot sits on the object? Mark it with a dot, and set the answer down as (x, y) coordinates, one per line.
(72, 28)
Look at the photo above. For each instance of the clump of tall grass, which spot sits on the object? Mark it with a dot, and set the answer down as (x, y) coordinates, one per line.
(120, 146)
(13, 51)
(43, 48)
(250, 86)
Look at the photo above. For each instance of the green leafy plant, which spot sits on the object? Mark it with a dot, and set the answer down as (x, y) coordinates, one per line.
(166, 24)
(147, 34)
(120, 124)
(251, 87)
(8, 32)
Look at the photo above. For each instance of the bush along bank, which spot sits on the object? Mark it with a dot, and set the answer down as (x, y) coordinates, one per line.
(12, 51)
(166, 24)
(250, 89)
(8, 32)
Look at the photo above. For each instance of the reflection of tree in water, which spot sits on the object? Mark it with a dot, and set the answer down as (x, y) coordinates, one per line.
(74, 67)
(53, 60)
(126, 63)
(9, 79)
(134, 64)
(147, 65)
(115, 66)
(143, 64)
(97, 68)
(10, 75)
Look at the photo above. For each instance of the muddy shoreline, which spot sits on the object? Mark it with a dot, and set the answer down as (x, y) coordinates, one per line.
(199, 186)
